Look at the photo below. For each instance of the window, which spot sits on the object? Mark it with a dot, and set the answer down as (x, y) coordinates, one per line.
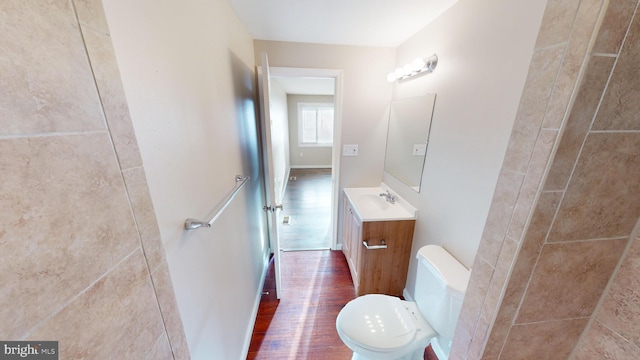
(315, 124)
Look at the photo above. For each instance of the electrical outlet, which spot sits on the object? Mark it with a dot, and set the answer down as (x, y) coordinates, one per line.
(350, 150)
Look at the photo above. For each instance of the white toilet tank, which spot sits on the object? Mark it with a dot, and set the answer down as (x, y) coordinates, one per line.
(441, 282)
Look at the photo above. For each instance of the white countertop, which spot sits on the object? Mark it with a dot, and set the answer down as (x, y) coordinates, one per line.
(370, 206)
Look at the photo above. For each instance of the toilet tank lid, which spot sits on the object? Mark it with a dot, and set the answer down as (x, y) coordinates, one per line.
(454, 274)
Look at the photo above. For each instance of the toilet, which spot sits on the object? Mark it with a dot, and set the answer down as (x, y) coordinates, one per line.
(377, 326)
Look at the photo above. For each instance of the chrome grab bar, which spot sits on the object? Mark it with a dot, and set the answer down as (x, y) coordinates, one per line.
(383, 245)
(191, 223)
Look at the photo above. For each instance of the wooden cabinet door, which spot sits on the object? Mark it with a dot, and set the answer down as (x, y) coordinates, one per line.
(384, 271)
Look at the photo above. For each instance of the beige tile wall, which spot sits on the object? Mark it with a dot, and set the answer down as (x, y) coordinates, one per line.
(81, 257)
(567, 200)
(615, 329)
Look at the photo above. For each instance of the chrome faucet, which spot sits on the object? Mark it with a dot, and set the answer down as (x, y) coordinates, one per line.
(389, 196)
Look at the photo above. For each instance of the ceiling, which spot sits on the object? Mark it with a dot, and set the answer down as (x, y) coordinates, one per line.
(385, 23)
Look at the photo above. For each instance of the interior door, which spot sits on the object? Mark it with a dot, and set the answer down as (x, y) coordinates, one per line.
(270, 207)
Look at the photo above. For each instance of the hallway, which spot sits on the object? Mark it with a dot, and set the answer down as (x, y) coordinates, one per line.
(316, 284)
(307, 204)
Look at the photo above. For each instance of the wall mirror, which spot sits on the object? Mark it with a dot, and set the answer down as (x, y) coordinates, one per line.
(408, 137)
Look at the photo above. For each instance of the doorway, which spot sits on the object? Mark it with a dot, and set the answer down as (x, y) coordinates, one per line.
(305, 222)
(309, 190)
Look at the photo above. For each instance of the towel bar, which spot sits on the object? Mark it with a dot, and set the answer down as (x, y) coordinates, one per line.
(191, 223)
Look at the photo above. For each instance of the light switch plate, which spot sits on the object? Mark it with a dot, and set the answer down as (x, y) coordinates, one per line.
(350, 150)
(419, 149)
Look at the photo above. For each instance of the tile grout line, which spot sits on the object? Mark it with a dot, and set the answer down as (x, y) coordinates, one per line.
(78, 295)
(154, 346)
(52, 134)
(586, 240)
(628, 341)
(146, 260)
(552, 320)
(633, 237)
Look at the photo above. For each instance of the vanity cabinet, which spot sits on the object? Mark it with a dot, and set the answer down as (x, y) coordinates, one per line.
(352, 232)
(378, 252)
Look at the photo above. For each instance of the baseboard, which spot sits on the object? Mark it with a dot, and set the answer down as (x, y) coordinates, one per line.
(406, 295)
(311, 166)
(256, 306)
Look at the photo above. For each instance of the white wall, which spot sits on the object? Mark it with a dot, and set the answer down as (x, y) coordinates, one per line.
(188, 73)
(484, 50)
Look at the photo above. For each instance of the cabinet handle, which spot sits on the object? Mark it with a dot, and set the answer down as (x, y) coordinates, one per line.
(383, 245)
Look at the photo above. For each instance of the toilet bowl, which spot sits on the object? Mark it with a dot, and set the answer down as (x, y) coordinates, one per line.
(384, 327)
(377, 326)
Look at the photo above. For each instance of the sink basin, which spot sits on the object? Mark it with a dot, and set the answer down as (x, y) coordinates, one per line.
(375, 201)
(370, 206)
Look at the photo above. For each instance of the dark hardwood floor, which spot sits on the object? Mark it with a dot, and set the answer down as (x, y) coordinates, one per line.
(301, 325)
(315, 287)
(307, 203)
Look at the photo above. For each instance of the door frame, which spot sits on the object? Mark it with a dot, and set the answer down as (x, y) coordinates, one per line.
(337, 75)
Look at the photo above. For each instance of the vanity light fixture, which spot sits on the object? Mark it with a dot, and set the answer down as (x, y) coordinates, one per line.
(416, 67)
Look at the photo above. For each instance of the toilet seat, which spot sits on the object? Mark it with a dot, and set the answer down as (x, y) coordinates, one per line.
(379, 323)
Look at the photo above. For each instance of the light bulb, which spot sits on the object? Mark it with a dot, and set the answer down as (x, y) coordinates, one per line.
(391, 77)
(418, 64)
(399, 72)
(408, 69)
